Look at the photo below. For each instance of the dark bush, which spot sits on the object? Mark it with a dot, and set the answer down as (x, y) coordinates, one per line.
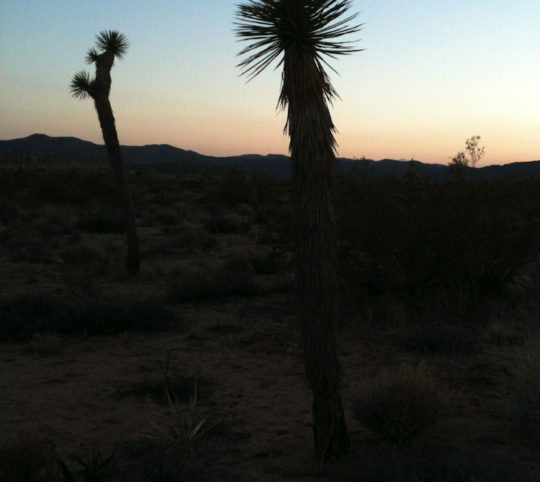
(192, 237)
(28, 246)
(107, 316)
(399, 406)
(81, 256)
(232, 187)
(29, 459)
(260, 263)
(102, 219)
(195, 286)
(467, 240)
(23, 316)
(74, 187)
(227, 224)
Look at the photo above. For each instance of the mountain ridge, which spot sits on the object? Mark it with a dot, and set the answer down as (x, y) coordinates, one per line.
(276, 165)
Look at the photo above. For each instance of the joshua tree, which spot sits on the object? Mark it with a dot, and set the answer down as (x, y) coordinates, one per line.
(110, 44)
(303, 34)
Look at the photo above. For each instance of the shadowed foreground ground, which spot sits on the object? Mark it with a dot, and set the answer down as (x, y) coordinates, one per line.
(216, 277)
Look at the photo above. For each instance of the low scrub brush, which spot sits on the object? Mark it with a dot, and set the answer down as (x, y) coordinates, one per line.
(401, 405)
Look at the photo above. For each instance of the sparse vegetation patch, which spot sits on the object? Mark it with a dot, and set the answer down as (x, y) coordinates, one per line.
(401, 405)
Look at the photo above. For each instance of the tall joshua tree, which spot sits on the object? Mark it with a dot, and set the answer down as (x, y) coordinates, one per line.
(303, 34)
(110, 44)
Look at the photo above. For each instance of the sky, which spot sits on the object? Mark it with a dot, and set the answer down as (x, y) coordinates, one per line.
(432, 74)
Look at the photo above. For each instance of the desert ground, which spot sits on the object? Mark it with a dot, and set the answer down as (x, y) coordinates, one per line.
(193, 370)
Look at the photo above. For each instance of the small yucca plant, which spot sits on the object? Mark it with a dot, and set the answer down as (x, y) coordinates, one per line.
(186, 425)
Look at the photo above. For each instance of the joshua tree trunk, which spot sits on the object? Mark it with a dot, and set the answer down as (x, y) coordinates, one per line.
(314, 178)
(110, 137)
(111, 44)
(305, 31)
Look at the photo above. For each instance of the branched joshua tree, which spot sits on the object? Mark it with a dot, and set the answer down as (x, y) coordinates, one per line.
(302, 35)
(110, 44)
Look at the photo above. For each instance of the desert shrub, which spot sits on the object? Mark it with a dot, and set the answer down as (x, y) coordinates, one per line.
(450, 465)
(9, 187)
(466, 240)
(24, 244)
(270, 263)
(165, 197)
(184, 237)
(401, 405)
(23, 316)
(227, 224)
(439, 339)
(102, 219)
(194, 238)
(31, 250)
(260, 263)
(54, 221)
(503, 332)
(195, 286)
(275, 224)
(523, 405)
(232, 187)
(72, 187)
(166, 219)
(43, 345)
(245, 210)
(28, 459)
(81, 256)
(9, 211)
(108, 315)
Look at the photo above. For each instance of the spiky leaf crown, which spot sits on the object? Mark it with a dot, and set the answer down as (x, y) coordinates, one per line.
(108, 41)
(303, 27)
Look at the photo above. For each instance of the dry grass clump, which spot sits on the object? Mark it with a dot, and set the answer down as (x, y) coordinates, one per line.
(401, 405)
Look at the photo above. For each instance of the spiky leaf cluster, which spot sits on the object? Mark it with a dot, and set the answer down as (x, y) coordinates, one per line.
(107, 42)
(300, 27)
(81, 85)
(112, 41)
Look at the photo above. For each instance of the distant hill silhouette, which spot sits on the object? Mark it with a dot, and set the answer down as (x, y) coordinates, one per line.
(272, 164)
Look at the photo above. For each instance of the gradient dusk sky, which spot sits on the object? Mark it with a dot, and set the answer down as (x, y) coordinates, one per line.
(434, 73)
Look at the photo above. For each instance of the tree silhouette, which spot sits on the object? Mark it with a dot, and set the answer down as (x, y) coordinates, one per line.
(110, 44)
(303, 34)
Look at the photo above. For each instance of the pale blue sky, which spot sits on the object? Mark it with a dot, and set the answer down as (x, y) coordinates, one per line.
(433, 73)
